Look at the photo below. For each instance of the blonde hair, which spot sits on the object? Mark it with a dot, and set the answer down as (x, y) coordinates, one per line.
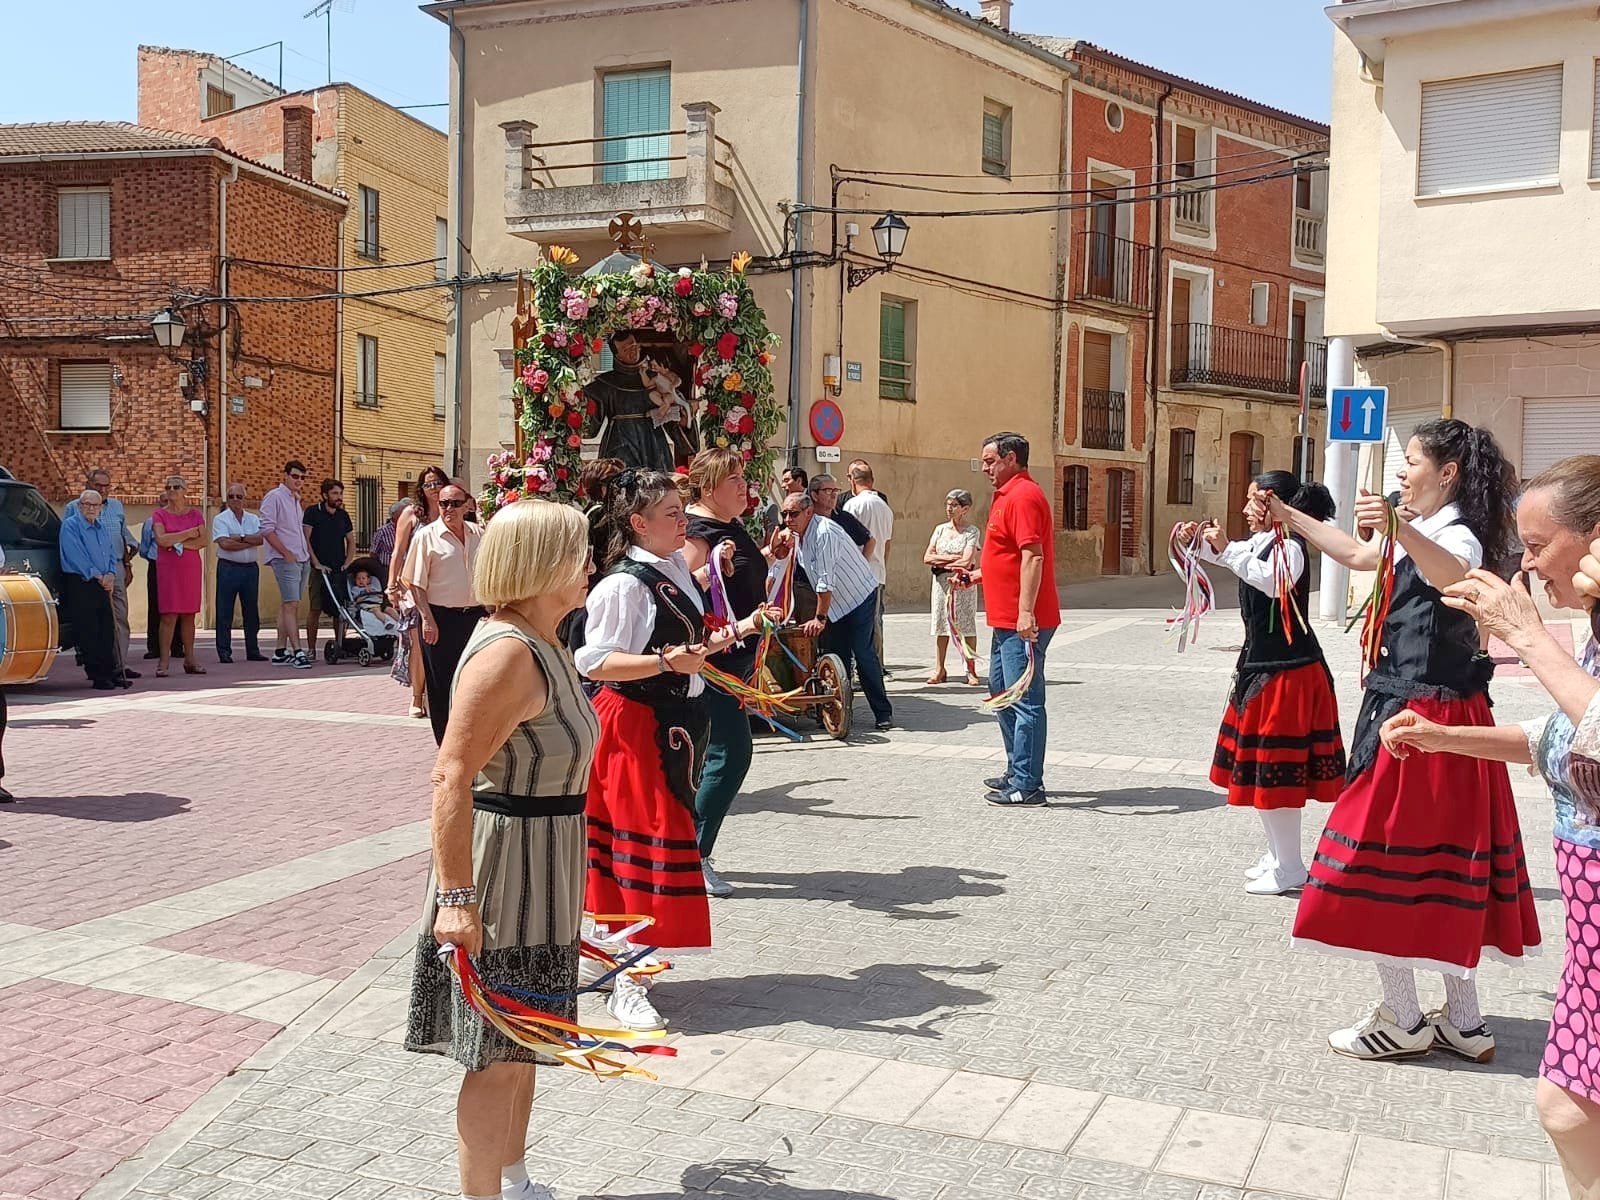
(531, 548)
(712, 468)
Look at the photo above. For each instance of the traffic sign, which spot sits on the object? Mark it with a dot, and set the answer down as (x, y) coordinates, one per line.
(827, 454)
(827, 422)
(1357, 414)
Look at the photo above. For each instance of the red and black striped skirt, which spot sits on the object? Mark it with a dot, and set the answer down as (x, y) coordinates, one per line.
(1421, 862)
(643, 857)
(1285, 745)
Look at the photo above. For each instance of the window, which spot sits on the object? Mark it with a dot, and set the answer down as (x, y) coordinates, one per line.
(897, 340)
(1302, 190)
(996, 138)
(441, 248)
(1491, 131)
(1105, 412)
(438, 387)
(1594, 136)
(366, 370)
(84, 220)
(85, 395)
(1114, 116)
(218, 101)
(1184, 151)
(1180, 467)
(1075, 498)
(368, 497)
(636, 111)
(1260, 304)
(367, 235)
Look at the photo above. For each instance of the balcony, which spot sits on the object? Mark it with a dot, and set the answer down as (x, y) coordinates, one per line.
(1115, 270)
(1105, 420)
(1191, 209)
(1308, 235)
(1222, 356)
(678, 180)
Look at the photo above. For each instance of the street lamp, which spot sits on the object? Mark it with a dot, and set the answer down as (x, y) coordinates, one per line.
(168, 328)
(889, 236)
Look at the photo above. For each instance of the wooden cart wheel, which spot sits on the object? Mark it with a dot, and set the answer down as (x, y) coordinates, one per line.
(830, 680)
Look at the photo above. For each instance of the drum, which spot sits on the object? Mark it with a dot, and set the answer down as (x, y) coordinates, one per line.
(30, 632)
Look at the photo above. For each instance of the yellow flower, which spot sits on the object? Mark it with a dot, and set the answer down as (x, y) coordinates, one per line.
(722, 442)
(733, 382)
(562, 256)
(739, 262)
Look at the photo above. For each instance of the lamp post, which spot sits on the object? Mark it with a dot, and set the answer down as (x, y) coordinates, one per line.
(168, 329)
(889, 236)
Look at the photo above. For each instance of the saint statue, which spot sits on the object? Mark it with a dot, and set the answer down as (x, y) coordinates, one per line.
(624, 399)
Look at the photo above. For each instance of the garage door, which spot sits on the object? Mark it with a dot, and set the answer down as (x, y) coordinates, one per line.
(1402, 421)
(1557, 429)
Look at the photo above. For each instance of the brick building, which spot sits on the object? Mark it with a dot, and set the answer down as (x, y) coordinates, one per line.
(103, 224)
(391, 348)
(1193, 291)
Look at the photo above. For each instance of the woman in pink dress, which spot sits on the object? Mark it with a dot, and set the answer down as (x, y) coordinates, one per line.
(180, 533)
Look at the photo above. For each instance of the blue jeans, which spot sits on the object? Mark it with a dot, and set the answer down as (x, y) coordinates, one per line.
(727, 762)
(241, 580)
(1024, 725)
(850, 637)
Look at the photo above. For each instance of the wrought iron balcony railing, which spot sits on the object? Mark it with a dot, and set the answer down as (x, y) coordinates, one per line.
(1225, 356)
(1105, 420)
(1113, 269)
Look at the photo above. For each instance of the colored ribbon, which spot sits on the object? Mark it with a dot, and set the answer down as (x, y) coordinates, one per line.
(1374, 611)
(969, 653)
(1199, 597)
(1016, 691)
(721, 614)
(1284, 581)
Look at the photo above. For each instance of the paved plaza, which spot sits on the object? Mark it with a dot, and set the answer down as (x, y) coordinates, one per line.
(212, 886)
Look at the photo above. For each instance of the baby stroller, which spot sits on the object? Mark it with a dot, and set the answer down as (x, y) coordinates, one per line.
(360, 630)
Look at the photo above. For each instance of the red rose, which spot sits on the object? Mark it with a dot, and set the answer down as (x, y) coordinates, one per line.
(748, 455)
(748, 399)
(561, 472)
(763, 358)
(574, 441)
(747, 424)
(711, 410)
(683, 286)
(576, 348)
(592, 408)
(696, 349)
(547, 339)
(574, 419)
(598, 345)
(726, 345)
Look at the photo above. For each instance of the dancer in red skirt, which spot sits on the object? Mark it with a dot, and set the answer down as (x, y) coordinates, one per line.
(1421, 863)
(645, 639)
(1280, 739)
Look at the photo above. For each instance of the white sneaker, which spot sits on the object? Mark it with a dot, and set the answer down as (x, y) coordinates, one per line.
(528, 1190)
(1274, 883)
(716, 885)
(1262, 865)
(1379, 1036)
(631, 1008)
(642, 968)
(1474, 1045)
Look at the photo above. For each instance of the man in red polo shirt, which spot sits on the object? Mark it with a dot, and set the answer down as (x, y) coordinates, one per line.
(1018, 573)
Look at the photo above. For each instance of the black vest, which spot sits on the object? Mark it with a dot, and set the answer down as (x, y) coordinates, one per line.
(678, 621)
(1427, 646)
(1266, 642)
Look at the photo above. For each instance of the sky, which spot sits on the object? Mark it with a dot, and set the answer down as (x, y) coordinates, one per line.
(1274, 51)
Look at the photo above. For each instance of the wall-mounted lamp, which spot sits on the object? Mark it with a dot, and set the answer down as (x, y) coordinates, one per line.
(889, 236)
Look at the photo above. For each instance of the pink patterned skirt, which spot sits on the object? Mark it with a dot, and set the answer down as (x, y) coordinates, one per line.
(1572, 1051)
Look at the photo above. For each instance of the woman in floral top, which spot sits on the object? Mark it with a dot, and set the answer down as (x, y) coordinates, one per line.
(1557, 518)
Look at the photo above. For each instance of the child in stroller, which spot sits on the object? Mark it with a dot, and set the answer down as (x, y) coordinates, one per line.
(364, 626)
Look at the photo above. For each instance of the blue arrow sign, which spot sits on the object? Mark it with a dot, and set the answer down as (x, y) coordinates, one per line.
(1357, 414)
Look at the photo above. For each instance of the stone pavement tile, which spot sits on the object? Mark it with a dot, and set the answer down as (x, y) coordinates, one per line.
(1132, 1132)
(892, 1092)
(1302, 1160)
(1213, 1147)
(280, 1010)
(1479, 1177)
(966, 1104)
(370, 1014)
(697, 1054)
(1044, 1117)
(821, 1081)
(1383, 1168)
(751, 1069)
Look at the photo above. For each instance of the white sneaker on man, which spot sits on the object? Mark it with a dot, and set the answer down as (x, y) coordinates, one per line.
(1379, 1036)
(1474, 1045)
(716, 885)
(631, 1008)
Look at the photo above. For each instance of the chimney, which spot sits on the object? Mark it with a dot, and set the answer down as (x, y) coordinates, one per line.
(997, 13)
(297, 141)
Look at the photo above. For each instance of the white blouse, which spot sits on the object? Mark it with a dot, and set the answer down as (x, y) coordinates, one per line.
(622, 612)
(1244, 560)
(1442, 531)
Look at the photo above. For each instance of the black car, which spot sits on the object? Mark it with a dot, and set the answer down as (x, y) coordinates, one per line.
(30, 534)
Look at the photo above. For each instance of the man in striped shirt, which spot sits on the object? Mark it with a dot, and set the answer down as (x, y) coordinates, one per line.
(847, 596)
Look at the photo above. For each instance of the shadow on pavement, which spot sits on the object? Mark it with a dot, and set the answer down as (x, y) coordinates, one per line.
(889, 894)
(737, 1177)
(1164, 801)
(1518, 1050)
(886, 998)
(133, 806)
(783, 800)
(49, 722)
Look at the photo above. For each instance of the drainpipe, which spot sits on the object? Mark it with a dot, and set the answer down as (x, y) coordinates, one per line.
(452, 424)
(1152, 348)
(338, 355)
(799, 232)
(226, 323)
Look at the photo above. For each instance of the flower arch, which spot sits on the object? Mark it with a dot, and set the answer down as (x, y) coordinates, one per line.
(564, 319)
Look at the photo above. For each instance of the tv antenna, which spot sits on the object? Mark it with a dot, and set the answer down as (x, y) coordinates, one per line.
(324, 9)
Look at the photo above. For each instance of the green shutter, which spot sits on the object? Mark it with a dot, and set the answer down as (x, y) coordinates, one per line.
(894, 367)
(994, 143)
(637, 102)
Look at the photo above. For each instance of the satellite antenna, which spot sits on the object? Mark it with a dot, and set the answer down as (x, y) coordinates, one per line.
(325, 10)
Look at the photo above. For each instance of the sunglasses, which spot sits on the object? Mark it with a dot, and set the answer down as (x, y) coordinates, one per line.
(433, 485)
(452, 504)
(297, 474)
(789, 516)
(235, 495)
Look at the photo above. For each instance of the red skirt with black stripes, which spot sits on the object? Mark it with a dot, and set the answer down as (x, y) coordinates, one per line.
(1421, 862)
(1284, 746)
(643, 857)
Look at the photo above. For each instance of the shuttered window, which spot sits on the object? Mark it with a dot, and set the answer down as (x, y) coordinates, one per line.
(636, 107)
(441, 248)
(85, 395)
(438, 386)
(84, 220)
(1180, 467)
(1402, 423)
(1594, 127)
(1556, 429)
(1184, 151)
(996, 139)
(1096, 361)
(896, 337)
(366, 371)
(367, 238)
(1491, 131)
(1075, 498)
(218, 101)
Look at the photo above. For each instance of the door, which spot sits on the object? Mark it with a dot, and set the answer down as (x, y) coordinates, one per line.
(1244, 464)
(1179, 349)
(1097, 423)
(1116, 514)
(1297, 341)
(1102, 256)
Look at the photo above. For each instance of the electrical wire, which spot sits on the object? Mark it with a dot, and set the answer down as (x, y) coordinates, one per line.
(382, 266)
(1317, 144)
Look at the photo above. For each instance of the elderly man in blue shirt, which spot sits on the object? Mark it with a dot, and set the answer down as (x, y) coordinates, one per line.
(115, 518)
(91, 561)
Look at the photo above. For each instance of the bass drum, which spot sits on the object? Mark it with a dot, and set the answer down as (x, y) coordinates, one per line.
(30, 631)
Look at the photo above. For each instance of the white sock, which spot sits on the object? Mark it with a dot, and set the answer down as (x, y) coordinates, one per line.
(1462, 997)
(1283, 840)
(514, 1174)
(1400, 994)
(1266, 828)
(469, 1196)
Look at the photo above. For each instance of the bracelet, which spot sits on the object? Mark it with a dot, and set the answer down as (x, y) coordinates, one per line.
(661, 661)
(455, 897)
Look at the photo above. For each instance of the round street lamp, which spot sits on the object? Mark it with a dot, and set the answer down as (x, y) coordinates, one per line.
(168, 328)
(889, 233)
